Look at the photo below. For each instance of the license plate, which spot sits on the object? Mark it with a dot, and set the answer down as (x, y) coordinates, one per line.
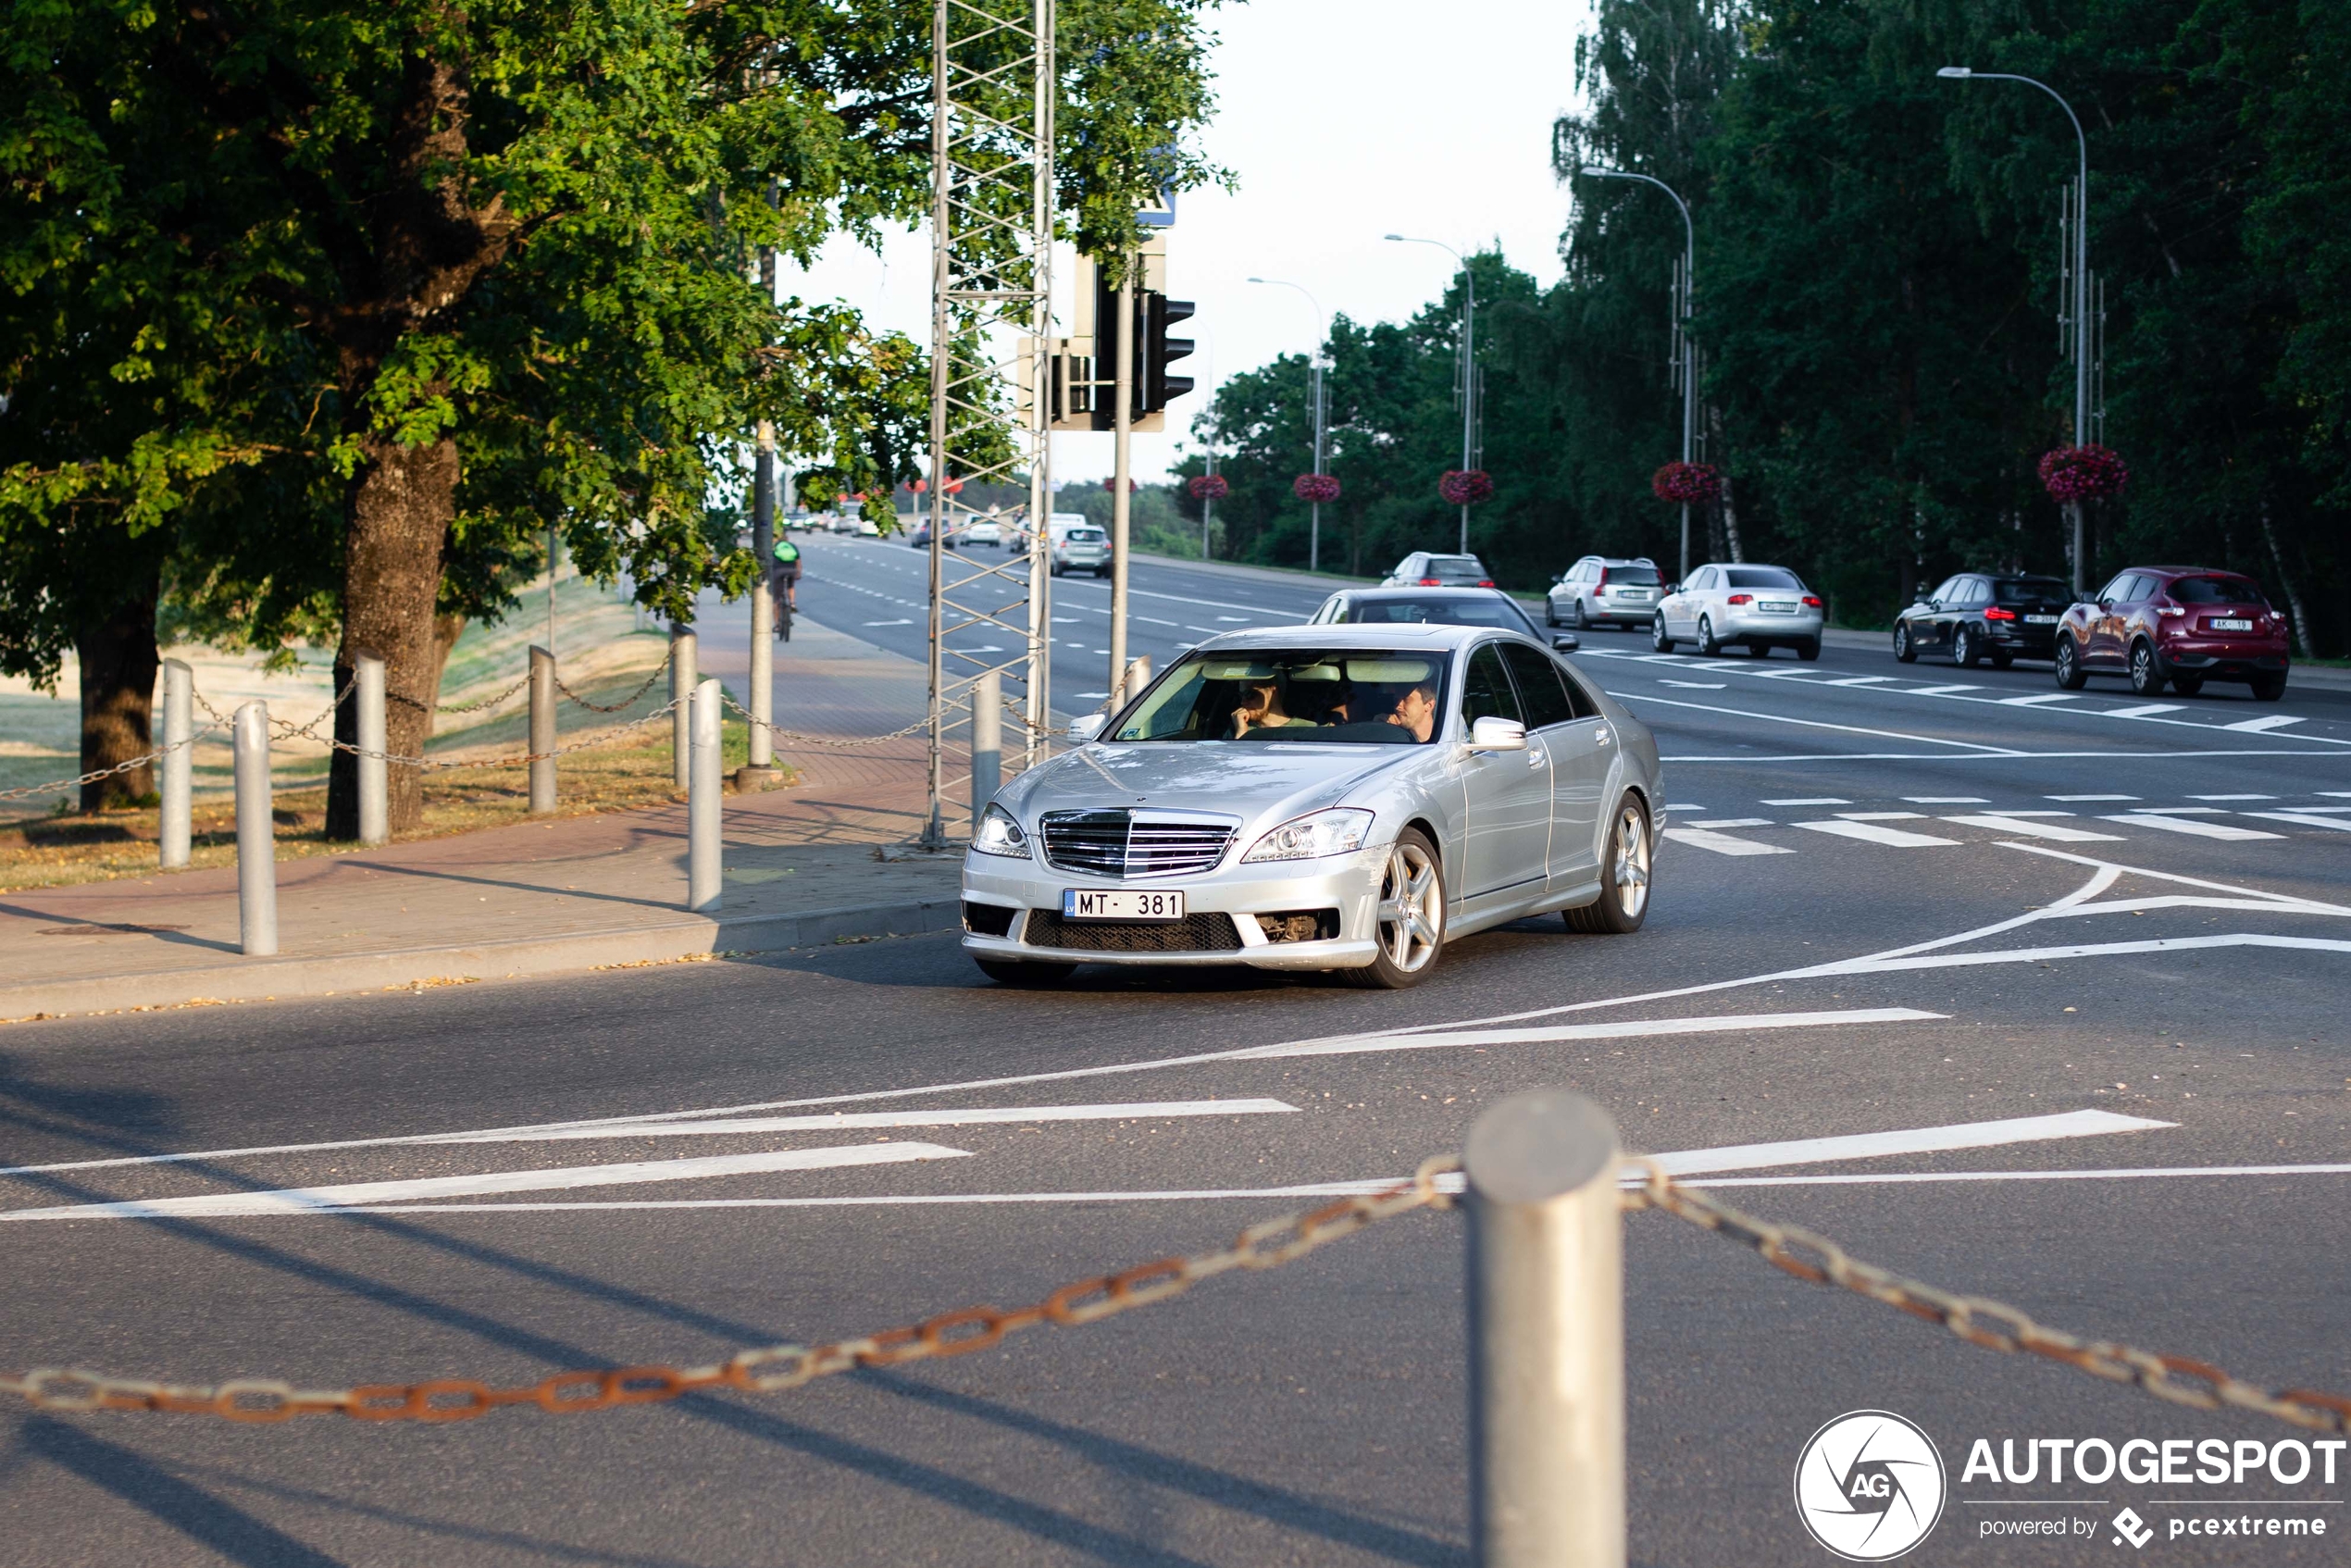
(2230, 624)
(2040, 621)
(1082, 904)
(1777, 606)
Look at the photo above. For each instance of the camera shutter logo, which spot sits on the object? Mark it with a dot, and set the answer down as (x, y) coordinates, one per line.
(1870, 1486)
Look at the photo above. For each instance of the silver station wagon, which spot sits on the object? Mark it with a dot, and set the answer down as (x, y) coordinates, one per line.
(1329, 797)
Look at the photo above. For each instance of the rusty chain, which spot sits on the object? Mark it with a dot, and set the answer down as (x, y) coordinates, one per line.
(766, 1370)
(28, 791)
(474, 706)
(616, 707)
(1994, 1325)
(429, 764)
(794, 736)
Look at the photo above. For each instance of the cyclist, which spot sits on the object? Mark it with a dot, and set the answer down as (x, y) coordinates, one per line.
(787, 568)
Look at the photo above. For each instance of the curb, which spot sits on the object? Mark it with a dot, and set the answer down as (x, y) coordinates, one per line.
(275, 979)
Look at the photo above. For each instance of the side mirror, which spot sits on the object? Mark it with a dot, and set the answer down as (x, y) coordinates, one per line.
(1084, 727)
(2106, 603)
(1565, 642)
(1496, 734)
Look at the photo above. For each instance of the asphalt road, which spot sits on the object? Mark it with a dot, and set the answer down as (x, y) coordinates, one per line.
(1849, 939)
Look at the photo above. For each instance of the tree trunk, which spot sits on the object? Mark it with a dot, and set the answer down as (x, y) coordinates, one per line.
(400, 510)
(118, 661)
(2269, 536)
(1729, 504)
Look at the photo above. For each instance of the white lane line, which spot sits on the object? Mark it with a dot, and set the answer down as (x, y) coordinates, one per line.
(1881, 815)
(2127, 1174)
(1819, 724)
(1692, 805)
(301, 1200)
(2332, 794)
(1232, 618)
(2258, 726)
(1915, 1141)
(1946, 799)
(1869, 832)
(2233, 797)
(2008, 824)
(1631, 1029)
(1734, 822)
(2041, 702)
(890, 623)
(1860, 680)
(2144, 710)
(1809, 801)
(2318, 810)
(2188, 811)
(2089, 797)
(2005, 811)
(1722, 844)
(2296, 819)
(1693, 685)
(661, 1124)
(1941, 691)
(2187, 825)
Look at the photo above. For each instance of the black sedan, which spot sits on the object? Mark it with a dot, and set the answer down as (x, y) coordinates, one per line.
(1443, 606)
(1979, 615)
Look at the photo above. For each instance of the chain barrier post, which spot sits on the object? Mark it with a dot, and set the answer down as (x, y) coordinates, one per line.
(175, 828)
(1138, 675)
(543, 732)
(682, 692)
(1547, 1334)
(375, 774)
(256, 835)
(759, 772)
(987, 743)
(704, 875)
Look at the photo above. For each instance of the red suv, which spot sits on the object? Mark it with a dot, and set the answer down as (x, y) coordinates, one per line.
(2181, 625)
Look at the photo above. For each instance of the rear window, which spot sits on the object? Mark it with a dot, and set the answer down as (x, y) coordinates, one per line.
(1466, 610)
(1761, 576)
(2216, 591)
(1453, 568)
(1086, 536)
(2039, 589)
(1633, 575)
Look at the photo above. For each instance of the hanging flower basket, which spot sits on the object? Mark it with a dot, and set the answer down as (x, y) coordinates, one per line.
(1111, 484)
(2081, 473)
(1686, 484)
(1209, 487)
(1315, 488)
(1465, 487)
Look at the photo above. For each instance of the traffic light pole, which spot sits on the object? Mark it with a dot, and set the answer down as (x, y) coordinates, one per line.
(1121, 511)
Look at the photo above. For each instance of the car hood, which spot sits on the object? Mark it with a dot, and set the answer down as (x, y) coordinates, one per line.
(1260, 784)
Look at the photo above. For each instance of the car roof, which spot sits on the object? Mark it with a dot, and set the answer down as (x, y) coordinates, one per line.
(1445, 592)
(1379, 635)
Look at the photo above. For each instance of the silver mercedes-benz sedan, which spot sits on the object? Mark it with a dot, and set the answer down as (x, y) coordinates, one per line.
(1346, 798)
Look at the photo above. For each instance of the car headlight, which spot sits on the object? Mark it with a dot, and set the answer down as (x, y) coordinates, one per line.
(999, 834)
(1334, 831)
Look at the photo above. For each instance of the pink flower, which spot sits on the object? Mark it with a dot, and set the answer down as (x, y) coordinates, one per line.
(1686, 484)
(1315, 488)
(1465, 487)
(2079, 473)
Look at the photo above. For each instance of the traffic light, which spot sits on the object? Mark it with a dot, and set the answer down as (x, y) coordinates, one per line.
(1153, 385)
(1085, 365)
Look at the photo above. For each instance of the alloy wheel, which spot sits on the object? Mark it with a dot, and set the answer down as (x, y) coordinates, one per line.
(1631, 870)
(1412, 908)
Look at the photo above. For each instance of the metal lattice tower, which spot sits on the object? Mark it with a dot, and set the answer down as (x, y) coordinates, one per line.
(992, 99)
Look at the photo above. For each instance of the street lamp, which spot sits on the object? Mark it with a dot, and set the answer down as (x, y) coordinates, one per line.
(1689, 353)
(1469, 362)
(2080, 302)
(1321, 328)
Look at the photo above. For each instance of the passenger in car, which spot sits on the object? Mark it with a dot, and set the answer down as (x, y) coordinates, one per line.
(1261, 708)
(1416, 709)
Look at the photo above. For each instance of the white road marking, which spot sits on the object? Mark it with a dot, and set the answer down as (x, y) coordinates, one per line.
(1941, 691)
(2333, 794)
(2006, 812)
(2233, 797)
(1860, 680)
(2297, 819)
(1722, 844)
(1809, 801)
(1946, 799)
(2006, 823)
(1881, 815)
(1693, 685)
(2041, 702)
(2144, 710)
(1232, 618)
(2318, 810)
(1629, 1028)
(1916, 1140)
(1734, 822)
(2089, 797)
(2258, 726)
(1823, 723)
(890, 623)
(1689, 806)
(1869, 832)
(2187, 825)
(304, 1199)
(2141, 1174)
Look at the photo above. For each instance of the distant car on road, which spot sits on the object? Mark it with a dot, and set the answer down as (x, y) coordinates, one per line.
(984, 531)
(1433, 606)
(1758, 607)
(1976, 615)
(1423, 568)
(1605, 590)
(2178, 625)
(1077, 545)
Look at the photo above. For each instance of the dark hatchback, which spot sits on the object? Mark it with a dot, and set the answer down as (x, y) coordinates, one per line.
(1980, 616)
(1442, 606)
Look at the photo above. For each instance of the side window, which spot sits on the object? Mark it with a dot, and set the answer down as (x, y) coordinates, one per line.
(1944, 592)
(1486, 694)
(2118, 590)
(1540, 688)
(1709, 577)
(2142, 589)
(1974, 592)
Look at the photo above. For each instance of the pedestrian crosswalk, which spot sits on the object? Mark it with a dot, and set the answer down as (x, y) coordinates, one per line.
(2277, 821)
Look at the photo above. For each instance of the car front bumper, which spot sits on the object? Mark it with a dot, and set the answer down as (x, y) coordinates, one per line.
(1347, 883)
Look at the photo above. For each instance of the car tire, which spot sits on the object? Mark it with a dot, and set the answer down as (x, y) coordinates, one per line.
(1582, 622)
(1551, 611)
(2187, 685)
(1964, 651)
(1025, 976)
(1809, 650)
(2268, 688)
(2147, 670)
(1706, 644)
(1408, 926)
(2071, 676)
(1657, 640)
(1623, 903)
(1905, 651)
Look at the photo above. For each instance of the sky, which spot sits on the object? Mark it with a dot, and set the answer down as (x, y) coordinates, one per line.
(1343, 120)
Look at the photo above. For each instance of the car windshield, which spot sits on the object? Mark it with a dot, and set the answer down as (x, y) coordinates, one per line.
(1455, 569)
(1633, 575)
(2031, 590)
(1326, 696)
(2216, 590)
(1761, 576)
(1462, 609)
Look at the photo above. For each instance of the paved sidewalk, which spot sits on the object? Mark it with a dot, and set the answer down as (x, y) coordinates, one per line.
(802, 868)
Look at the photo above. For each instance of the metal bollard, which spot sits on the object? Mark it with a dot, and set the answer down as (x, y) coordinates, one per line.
(682, 692)
(1547, 1334)
(763, 674)
(256, 835)
(175, 829)
(704, 874)
(1138, 675)
(987, 743)
(543, 732)
(375, 774)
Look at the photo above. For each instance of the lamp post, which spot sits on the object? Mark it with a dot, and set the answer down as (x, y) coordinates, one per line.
(1321, 328)
(1682, 308)
(2079, 302)
(1469, 363)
